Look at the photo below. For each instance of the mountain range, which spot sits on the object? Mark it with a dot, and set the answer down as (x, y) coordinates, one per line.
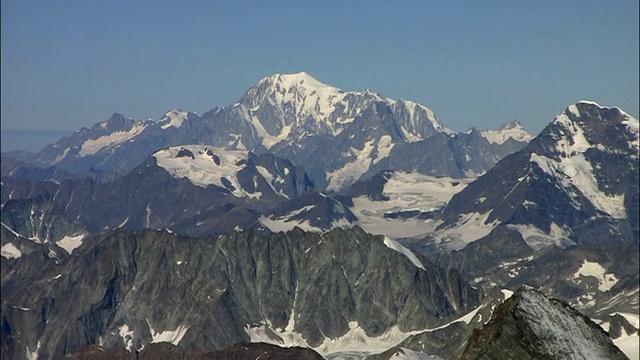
(296, 117)
(344, 222)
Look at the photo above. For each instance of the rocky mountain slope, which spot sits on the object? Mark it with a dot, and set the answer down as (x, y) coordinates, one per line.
(194, 190)
(229, 262)
(531, 326)
(575, 183)
(337, 292)
(170, 352)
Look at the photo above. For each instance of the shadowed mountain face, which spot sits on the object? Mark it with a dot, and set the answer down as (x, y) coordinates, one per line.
(192, 190)
(130, 289)
(576, 182)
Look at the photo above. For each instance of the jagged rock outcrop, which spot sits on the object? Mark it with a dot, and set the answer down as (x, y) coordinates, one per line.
(167, 351)
(531, 326)
(39, 218)
(129, 289)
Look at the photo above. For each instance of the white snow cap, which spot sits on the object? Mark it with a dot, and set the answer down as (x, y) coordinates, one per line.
(300, 96)
(174, 118)
(513, 130)
(301, 78)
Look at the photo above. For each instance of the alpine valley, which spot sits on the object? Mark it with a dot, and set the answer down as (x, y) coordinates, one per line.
(305, 221)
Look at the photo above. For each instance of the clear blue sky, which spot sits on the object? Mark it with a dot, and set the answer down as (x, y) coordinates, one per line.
(68, 64)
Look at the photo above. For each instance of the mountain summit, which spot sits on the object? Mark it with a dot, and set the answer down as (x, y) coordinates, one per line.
(531, 326)
(513, 130)
(296, 117)
(297, 105)
(576, 182)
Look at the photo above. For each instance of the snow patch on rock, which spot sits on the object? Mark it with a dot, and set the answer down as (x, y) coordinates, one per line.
(92, 146)
(593, 269)
(576, 173)
(395, 246)
(203, 170)
(10, 251)
(173, 118)
(170, 336)
(69, 243)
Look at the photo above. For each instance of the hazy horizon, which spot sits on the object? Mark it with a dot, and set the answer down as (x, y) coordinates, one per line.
(29, 140)
(70, 65)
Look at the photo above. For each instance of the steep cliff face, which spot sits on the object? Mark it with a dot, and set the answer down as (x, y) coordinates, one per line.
(574, 183)
(531, 326)
(129, 289)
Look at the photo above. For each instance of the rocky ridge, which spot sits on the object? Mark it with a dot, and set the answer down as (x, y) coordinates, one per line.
(529, 326)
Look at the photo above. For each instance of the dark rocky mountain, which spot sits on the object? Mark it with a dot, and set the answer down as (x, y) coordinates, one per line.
(168, 351)
(314, 211)
(332, 292)
(531, 326)
(295, 117)
(15, 245)
(559, 215)
(193, 190)
(453, 155)
(597, 279)
(40, 219)
(575, 183)
(19, 169)
(343, 293)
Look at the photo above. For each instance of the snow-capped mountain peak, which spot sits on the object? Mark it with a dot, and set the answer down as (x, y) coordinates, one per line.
(284, 105)
(586, 158)
(513, 130)
(280, 89)
(175, 118)
(581, 126)
(300, 80)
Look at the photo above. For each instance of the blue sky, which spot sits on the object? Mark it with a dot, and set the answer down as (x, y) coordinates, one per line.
(68, 64)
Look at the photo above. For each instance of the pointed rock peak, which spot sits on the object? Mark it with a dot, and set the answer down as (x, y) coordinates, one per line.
(179, 113)
(515, 124)
(554, 330)
(513, 130)
(115, 121)
(472, 130)
(368, 93)
(175, 118)
(175, 112)
(117, 117)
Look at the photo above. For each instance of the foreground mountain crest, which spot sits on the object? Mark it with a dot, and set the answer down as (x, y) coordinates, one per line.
(531, 326)
(286, 289)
